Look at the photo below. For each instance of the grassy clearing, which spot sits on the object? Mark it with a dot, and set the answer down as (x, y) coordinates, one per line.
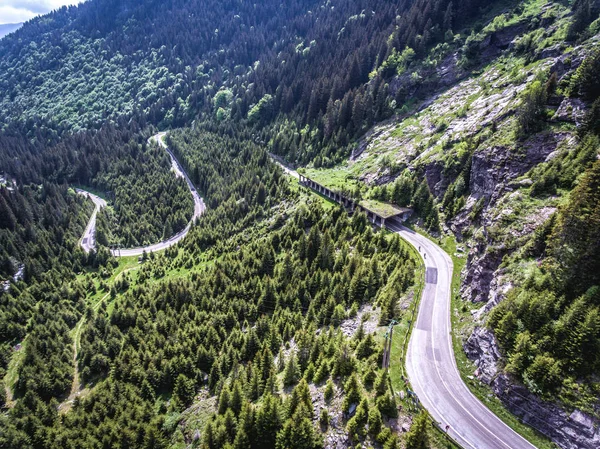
(336, 178)
(12, 373)
(381, 208)
(92, 190)
(326, 202)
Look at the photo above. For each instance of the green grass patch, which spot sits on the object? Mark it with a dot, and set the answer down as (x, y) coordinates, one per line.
(92, 190)
(338, 178)
(383, 209)
(12, 371)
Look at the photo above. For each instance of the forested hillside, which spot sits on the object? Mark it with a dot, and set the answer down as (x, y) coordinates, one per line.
(310, 61)
(39, 233)
(222, 328)
(147, 201)
(264, 327)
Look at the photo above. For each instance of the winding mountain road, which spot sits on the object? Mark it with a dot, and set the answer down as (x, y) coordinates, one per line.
(199, 208)
(88, 239)
(431, 365)
(430, 361)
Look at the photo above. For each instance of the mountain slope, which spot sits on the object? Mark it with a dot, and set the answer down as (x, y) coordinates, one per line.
(480, 116)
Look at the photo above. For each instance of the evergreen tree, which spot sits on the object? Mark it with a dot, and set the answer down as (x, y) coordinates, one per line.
(418, 436)
(291, 374)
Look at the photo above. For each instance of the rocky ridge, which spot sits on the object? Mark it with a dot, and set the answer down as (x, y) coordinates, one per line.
(484, 107)
(574, 430)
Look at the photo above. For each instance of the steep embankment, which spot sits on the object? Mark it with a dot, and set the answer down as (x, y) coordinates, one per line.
(500, 151)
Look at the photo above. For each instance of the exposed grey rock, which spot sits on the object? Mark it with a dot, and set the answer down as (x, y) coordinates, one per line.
(482, 262)
(494, 43)
(481, 347)
(571, 110)
(494, 167)
(499, 287)
(358, 150)
(575, 430)
(572, 430)
(448, 71)
(435, 178)
(551, 52)
(368, 316)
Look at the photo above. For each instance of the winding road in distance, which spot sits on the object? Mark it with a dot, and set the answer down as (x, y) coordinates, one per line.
(430, 361)
(88, 239)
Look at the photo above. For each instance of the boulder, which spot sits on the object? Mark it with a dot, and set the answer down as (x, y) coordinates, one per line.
(570, 110)
(575, 430)
(482, 348)
(569, 430)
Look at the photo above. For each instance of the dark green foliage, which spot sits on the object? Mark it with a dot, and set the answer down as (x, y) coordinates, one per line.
(183, 391)
(324, 419)
(135, 177)
(574, 242)
(291, 374)
(2, 395)
(48, 221)
(418, 436)
(298, 432)
(88, 425)
(584, 13)
(591, 124)
(374, 421)
(161, 338)
(585, 83)
(550, 326)
(387, 405)
(356, 425)
(406, 191)
(532, 109)
(563, 170)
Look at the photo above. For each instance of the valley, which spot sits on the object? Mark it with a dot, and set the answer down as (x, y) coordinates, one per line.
(301, 225)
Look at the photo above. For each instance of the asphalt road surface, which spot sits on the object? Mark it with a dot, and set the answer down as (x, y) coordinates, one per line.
(88, 240)
(431, 366)
(287, 170)
(199, 208)
(430, 361)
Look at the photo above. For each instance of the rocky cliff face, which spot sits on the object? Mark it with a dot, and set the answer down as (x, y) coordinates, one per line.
(493, 174)
(574, 430)
(499, 214)
(495, 167)
(496, 176)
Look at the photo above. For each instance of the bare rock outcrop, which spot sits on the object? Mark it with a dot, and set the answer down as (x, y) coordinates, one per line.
(568, 429)
(482, 348)
(482, 263)
(571, 110)
(494, 167)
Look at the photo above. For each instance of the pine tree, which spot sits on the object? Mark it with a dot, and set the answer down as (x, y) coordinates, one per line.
(298, 432)
(184, 391)
(291, 374)
(418, 436)
(241, 440)
(268, 422)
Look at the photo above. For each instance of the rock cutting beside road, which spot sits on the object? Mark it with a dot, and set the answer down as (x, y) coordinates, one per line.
(430, 361)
